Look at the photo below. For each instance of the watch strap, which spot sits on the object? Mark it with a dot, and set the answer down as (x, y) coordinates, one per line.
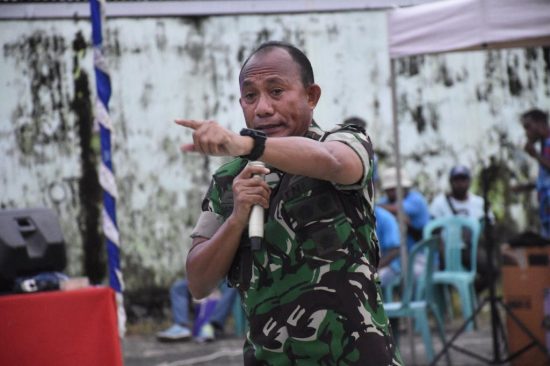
(259, 143)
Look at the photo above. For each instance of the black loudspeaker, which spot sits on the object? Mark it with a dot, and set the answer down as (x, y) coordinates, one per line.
(31, 242)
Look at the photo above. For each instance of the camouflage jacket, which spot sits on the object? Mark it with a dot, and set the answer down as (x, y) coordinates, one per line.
(311, 294)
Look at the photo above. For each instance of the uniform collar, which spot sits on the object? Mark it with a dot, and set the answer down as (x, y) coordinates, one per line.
(314, 131)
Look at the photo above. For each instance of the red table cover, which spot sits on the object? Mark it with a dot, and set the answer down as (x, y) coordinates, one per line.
(60, 328)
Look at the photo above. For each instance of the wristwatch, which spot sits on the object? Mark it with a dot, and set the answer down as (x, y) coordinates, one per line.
(259, 143)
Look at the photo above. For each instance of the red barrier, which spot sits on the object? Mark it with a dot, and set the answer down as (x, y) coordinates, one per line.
(60, 328)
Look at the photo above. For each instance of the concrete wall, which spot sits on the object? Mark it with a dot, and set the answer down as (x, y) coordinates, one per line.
(452, 108)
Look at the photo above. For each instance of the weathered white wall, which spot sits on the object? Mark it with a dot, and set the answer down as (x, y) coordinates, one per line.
(166, 68)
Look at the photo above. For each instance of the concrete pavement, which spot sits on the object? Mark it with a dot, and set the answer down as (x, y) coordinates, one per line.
(145, 350)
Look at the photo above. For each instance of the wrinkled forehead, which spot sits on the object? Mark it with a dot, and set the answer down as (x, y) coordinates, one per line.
(270, 63)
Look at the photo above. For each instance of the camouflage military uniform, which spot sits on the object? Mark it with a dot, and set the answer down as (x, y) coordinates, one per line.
(311, 293)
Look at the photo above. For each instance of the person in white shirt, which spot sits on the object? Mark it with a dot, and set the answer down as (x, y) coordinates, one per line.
(460, 201)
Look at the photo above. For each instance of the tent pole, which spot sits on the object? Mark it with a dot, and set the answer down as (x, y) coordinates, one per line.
(400, 212)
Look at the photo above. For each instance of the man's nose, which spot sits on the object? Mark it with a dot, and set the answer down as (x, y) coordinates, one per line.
(264, 106)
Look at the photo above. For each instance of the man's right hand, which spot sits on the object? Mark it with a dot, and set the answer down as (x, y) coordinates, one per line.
(249, 190)
(209, 259)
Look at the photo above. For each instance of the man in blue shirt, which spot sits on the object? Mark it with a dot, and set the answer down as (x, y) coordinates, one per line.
(387, 231)
(535, 124)
(415, 207)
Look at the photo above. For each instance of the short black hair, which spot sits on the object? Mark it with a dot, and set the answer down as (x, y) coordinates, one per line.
(357, 121)
(306, 71)
(535, 115)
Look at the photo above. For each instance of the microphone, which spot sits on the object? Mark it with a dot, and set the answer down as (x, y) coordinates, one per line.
(256, 219)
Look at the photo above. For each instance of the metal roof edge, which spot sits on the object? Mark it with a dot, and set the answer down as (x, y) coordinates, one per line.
(130, 9)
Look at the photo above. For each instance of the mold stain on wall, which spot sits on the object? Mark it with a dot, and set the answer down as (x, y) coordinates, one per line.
(44, 120)
(89, 187)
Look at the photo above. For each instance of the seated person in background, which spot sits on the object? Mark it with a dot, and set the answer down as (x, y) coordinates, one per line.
(180, 300)
(460, 201)
(387, 231)
(415, 206)
(415, 209)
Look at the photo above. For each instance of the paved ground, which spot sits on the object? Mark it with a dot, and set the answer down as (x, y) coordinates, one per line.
(144, 350)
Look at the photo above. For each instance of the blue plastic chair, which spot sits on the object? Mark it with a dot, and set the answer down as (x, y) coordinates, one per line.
(389, 289)
(417, 308)
(454, 273)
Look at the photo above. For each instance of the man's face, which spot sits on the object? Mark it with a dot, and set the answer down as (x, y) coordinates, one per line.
(531, 129)
(273, 98)
(460, 186)
(391, 193)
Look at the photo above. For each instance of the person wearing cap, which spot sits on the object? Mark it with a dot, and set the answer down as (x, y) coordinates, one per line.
(460, 201)
(415, 206)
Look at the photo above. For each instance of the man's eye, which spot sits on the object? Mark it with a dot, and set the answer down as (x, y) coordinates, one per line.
(249, 96)
(277, 91)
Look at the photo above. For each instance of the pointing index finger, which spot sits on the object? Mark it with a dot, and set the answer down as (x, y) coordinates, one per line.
(188, 123)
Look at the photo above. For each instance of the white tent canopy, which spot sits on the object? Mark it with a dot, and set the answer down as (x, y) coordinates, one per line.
(455, 25)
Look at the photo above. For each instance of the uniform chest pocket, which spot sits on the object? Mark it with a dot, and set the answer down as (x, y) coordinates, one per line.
(309, 208)
(319, 222)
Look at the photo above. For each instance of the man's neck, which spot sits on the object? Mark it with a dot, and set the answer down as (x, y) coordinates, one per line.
(460, 197)
(545, 134)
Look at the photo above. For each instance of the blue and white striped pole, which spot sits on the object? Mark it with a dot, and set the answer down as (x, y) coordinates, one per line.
(106, 175)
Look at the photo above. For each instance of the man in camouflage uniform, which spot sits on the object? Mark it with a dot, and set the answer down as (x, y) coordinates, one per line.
(311, 291)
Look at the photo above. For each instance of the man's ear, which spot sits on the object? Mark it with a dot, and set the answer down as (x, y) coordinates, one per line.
(313, 95)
